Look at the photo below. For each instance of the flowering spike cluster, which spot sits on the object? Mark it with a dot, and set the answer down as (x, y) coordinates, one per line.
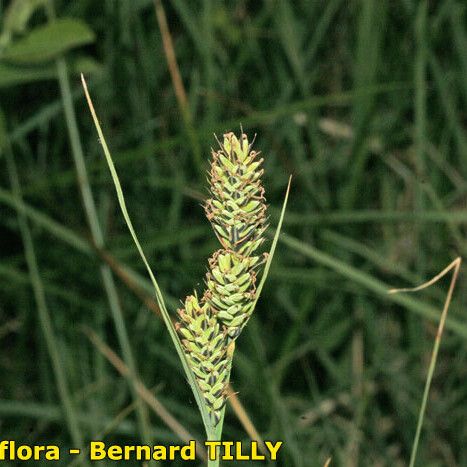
(205, 346)
(237, 212)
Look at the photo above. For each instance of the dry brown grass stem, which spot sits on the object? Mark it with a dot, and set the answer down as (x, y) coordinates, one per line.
(145, 394)
(456, 264)
(244, 418)
(233, 399)
(171, 58)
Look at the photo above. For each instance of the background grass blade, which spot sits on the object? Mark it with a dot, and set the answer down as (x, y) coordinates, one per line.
(95, 227)
(159, 297)
(369, 282)
(45, 319)
(375, 139)
(273, 245)
(455, 267)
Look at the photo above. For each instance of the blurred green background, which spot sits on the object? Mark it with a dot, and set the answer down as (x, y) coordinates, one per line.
(363, 102)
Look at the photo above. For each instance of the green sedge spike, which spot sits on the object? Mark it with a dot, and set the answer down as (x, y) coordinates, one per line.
(205, 336)
(205, 345)
(237, 212)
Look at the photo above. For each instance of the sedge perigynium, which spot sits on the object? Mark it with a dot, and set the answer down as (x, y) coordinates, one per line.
(237, 211)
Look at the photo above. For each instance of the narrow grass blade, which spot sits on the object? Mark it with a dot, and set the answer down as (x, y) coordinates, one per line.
(274, 244)
(370, 283)
(143, 391)
(159, 297)
(90, 210)
(456, 264)
(177, 82)
(45, 318)
(245, 419)
(53, 227)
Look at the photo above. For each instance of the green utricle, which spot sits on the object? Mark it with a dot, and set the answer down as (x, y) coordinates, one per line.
(237, 212)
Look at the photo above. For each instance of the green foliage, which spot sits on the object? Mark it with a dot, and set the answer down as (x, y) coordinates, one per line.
(11, 75)
(47, 42)
(26, 55)
(205, 345)
(17, 16)
(362, 102)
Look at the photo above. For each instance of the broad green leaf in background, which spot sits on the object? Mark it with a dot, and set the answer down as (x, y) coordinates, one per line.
(16, 18)
(49, 41)
(18, 13)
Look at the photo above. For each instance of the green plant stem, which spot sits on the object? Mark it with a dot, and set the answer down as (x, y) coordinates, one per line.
(216, 435)
(159, 298)
(215, 462)
(426, 392)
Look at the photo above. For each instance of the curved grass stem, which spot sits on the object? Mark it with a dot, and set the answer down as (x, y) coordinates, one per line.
(455, 265)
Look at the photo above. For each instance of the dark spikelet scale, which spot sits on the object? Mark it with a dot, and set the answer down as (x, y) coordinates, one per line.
(237, 212)
(205, 345)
